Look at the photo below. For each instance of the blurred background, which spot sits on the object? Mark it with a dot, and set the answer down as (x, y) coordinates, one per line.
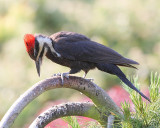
(131, 27)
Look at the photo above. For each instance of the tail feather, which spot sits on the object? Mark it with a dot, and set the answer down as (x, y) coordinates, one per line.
(115, 70)
(127, 65)
(127, 82)
(129, 61)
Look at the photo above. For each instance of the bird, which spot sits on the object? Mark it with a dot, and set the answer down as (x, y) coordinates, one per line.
(78, 52)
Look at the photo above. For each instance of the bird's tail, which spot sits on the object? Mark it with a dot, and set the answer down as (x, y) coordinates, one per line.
(115, 70)
(127, 82)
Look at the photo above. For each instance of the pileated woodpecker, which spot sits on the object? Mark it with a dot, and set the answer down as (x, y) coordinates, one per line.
(77, 52)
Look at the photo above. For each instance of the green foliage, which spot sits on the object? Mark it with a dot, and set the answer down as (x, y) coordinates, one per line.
(127, 115)
(129, 121)
(73, 123)
(145, 115)
(154, 87)
(93, 125)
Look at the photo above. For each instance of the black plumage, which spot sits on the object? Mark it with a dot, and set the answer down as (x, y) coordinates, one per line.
(80, 53)
(77, 47)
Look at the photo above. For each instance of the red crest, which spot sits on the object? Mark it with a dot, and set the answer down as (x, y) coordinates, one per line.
(29, 41)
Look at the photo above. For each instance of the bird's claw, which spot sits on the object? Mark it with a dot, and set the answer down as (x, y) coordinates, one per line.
(56, 74)
(90, 79)
(84, 76)
(64, 75)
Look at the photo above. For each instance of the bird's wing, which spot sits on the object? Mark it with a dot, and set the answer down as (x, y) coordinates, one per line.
(75, 46)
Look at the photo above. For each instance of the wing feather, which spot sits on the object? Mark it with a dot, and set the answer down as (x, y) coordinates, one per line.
(77, 47)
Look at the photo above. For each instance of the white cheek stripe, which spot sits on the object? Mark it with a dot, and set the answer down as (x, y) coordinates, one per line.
(40, 49)
(52, 49)
(45, 51)
(48, 41)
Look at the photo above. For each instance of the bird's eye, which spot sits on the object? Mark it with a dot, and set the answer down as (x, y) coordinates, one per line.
(27, 44)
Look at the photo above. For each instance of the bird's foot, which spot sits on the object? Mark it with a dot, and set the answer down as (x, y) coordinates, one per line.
(84, 76)
(57, 74)
(62, 75)
(90, 79)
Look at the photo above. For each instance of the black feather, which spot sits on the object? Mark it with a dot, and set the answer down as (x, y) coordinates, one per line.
(77, 47)
(113, 69)
(80, 53)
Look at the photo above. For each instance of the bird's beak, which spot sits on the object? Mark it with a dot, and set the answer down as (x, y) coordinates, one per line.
(38, 65)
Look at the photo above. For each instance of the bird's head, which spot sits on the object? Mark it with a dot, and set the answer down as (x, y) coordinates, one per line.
(37, 46)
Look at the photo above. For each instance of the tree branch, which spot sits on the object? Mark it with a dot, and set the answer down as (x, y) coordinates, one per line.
(69, 109)
(94, 92)
(110, 121)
